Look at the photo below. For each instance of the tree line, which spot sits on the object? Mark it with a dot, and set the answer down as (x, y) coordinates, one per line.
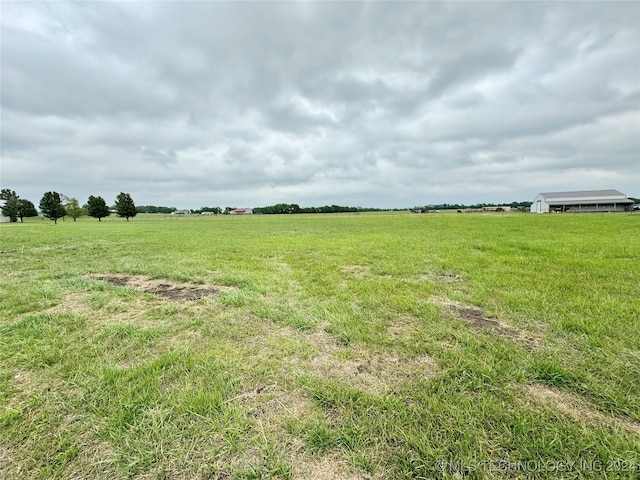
(458, 206)
(292, 208)
(54, 205)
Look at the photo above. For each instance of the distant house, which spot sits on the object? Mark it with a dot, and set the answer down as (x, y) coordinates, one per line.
(582, 201)
(241, 211)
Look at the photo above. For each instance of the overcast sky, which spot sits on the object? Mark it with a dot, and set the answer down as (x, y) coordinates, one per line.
(191, 104)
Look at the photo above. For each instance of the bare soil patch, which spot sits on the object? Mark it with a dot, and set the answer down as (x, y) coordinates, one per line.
(163, 288)
(476, 319)
(578, 409)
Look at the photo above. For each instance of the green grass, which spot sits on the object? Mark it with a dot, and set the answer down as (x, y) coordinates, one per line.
(338, 349)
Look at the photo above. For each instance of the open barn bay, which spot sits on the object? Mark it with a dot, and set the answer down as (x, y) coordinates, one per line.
(326, 347)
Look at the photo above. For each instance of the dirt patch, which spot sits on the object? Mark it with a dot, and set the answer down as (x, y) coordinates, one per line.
(476, 319)
(578, 409)
(163, 288)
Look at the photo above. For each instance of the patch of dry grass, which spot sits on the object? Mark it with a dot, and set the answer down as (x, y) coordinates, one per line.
(578, 408)
(332, 466)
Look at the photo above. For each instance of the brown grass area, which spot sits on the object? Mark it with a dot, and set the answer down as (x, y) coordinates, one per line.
(9, 468)
(327, 467)
(318, 353)
(577, 408)
(358, 271)
(403, 327)
(368, 371)
(24, 382)
(99, 310)
(443, 277)
(271, 406)
(74, 303)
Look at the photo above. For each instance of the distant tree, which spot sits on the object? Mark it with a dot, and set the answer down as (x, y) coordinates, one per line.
(97, 208)
(73, 208)
(216, 210)
(125, 206)
(10, 207)
(51, 206)
(154, 209)
(15, 207)
(26, 209)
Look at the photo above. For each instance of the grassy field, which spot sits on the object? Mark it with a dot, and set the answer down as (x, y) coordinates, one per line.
(321, 347)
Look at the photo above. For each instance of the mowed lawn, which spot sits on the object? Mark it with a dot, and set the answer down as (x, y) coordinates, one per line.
(386, 346)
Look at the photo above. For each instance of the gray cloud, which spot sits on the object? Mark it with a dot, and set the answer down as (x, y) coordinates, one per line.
(372, 104)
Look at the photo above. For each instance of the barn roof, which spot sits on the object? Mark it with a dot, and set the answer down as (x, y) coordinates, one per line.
(586, 194)
(586, 197)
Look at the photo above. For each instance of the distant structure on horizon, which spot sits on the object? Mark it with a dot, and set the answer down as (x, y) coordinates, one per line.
(582, 201)
(241, 211)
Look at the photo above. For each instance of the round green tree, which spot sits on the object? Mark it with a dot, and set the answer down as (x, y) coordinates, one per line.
(51, 206)
(97, 208)
(125, 206)
(26, 209)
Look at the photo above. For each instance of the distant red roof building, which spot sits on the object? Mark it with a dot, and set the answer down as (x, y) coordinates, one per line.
(241, 211)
